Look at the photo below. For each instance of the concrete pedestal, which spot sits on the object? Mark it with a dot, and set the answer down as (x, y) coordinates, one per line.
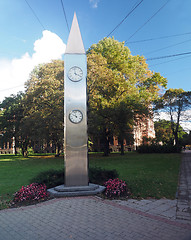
(63, 191)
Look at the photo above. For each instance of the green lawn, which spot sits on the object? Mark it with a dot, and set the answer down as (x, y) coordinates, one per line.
(147, 175)
(16, 171)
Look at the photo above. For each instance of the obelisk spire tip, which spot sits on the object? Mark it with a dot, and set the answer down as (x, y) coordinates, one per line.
(75, 44)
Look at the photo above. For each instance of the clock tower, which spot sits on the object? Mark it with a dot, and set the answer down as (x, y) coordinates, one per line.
(75, 110)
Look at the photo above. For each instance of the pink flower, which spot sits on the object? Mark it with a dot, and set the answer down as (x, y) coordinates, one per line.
(115, 187)
(31, 192)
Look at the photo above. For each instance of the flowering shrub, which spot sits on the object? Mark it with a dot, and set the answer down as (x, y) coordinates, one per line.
(32, 192)
(115, 188)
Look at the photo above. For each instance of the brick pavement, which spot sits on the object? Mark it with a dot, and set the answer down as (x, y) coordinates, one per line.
(184, 188)
(87, 218)
(163, 207)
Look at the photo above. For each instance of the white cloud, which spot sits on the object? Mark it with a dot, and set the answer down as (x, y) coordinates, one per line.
(94, 3)
(14, 73)
(185, 121)
(49, 47)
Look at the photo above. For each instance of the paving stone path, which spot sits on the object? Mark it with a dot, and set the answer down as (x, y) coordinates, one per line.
(184, 189)
(163, 207)
(87, 218)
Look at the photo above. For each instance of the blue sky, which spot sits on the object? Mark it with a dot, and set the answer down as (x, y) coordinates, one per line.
(27, 41)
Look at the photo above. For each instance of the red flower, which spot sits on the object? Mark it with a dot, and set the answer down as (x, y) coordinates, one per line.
(115, 187)
(31, 192)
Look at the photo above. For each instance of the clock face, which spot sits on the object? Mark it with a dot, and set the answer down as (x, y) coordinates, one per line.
(75, 116)
(75, 74)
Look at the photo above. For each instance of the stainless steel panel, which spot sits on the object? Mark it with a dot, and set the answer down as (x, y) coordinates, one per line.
(75, 135)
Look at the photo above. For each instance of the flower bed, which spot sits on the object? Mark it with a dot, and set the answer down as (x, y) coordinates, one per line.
(115, 188)
(31, 193)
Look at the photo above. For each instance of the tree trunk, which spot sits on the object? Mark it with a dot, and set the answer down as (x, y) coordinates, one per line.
(57, 150)
(15, 149)
(24, 152)
(106, 147)
(24, 147)
(176, 139)
(122, 146)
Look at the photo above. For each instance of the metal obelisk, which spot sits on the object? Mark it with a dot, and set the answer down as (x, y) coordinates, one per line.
(75, 120)
(75, 109)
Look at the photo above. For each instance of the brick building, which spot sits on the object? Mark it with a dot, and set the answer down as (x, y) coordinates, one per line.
(143, 131)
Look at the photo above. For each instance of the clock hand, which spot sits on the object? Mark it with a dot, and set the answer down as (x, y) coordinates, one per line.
(77, 74)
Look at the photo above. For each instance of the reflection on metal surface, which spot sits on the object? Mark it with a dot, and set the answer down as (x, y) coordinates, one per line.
(75, 98)
(75, 44)
(76, 173)
(75, 135)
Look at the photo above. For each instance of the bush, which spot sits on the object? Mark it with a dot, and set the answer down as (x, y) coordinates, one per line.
(115, 188)
(100, 176)
(156, 148)
(53, 178)
(50, 178)
(30, 193)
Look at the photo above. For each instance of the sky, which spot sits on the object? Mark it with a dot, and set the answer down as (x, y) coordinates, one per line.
(36, 31)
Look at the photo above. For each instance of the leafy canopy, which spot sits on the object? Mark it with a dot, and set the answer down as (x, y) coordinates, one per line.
(120, 87)
(176, 103)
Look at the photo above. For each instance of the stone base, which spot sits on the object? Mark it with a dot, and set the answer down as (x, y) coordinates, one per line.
(63, 191)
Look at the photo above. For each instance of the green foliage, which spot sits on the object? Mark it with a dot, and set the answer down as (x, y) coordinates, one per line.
(115, 52)
(164, 132)
(186, 139)
(10, 119)
(30, 151)
(156, 148)
(120, 88)
(43, 101)
(176, 103)
(50, 178)
(53, 178)
(36, 117)
(100, 176)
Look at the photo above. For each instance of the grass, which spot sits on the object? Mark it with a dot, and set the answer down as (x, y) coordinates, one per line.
(16, 171)
(147, 175)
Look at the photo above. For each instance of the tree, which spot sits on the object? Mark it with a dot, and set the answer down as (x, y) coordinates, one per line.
(44, 106)
(104, 88)
(175, 103)
(10, 119)
(123, 122)
(187, 139)
(120, 89)
(164, 132)
(117, 79)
